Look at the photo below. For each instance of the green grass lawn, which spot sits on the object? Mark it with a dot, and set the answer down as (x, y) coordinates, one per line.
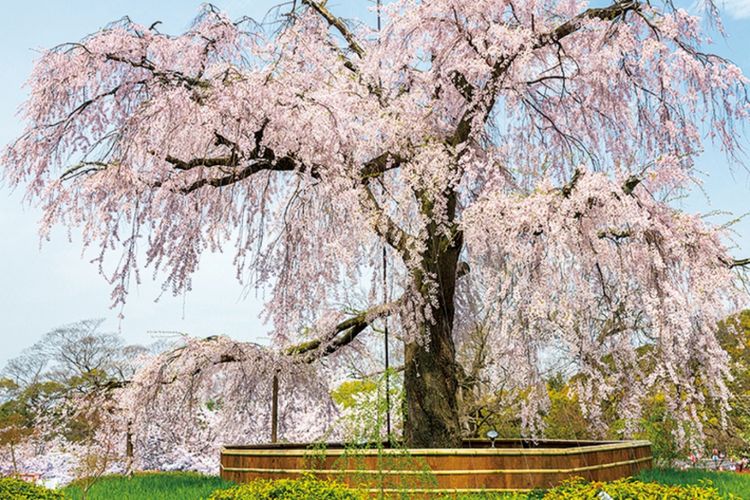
(188, 486)
(156, 486)
(725, 482)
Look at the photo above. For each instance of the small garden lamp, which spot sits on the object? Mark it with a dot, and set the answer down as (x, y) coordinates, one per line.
(492, 435)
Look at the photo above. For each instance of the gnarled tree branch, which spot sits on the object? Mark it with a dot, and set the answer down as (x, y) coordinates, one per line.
(337, 23)
(283, 165)
(488, 93)
(611, 13)
(381, 164)
(343, 334)
(739, 263)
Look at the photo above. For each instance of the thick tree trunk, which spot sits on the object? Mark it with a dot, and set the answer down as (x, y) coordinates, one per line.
(430, 375)
(431, 419)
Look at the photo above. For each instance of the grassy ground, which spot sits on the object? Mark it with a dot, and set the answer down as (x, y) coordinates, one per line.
(725, 482)
(186, 486)
(161, 486)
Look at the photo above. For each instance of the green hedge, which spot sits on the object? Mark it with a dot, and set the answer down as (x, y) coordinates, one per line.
(307, 488)
(15, 489)
(631, 489)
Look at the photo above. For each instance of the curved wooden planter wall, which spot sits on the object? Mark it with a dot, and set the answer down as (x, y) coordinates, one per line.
(513, 465)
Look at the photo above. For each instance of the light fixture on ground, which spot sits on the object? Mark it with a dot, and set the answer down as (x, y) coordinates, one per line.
(492, 435)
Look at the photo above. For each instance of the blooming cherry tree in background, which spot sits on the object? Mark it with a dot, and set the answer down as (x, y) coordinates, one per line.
(514, 154)
(182, 406)
(80, 403)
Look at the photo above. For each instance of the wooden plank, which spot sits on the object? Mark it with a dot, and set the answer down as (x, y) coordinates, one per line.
(485, 469)
(438, 451)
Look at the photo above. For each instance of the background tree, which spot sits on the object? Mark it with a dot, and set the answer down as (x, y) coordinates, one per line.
(12, 433)
(188, 401)
(728, 432)
(49, 384)
(530, 147)
(81, 403)
(734, 434)
(82, 353)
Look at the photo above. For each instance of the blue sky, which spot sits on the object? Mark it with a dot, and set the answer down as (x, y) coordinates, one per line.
(41, 288)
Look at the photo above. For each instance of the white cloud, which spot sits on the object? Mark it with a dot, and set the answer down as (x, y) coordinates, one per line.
(738, 9)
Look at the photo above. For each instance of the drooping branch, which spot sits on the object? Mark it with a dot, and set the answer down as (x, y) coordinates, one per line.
(283, 165)
(618, 234)
(83, 168)
(631, 183)
(337, 23)
(611, 13)
(164, 76)
(567, 189)
(223, 161)
(740, 263)
(628, 186)
(310, 351)
(343, 334)
(386, 227)
(488, 94)
(464, 87)
(381, 164)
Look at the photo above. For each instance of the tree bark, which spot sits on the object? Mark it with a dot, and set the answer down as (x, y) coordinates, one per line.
(13, 458)
(430, 374)
(430, 384)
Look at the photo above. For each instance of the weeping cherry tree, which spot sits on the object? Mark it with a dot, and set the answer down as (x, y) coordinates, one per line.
(519, 153)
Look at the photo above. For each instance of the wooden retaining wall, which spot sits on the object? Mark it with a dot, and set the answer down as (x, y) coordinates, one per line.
(513, 465)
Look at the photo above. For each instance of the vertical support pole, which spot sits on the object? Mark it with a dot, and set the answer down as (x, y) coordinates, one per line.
(275, 408)
(387, 362)
(378, 9)
(385, 301)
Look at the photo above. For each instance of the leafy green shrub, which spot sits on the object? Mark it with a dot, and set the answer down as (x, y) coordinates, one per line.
(307, 488)
(631, 489)
(15, 489)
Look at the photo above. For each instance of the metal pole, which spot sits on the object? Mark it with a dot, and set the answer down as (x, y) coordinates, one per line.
(378, 18)
(275, 408)
(387, 373)
(385, 320)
